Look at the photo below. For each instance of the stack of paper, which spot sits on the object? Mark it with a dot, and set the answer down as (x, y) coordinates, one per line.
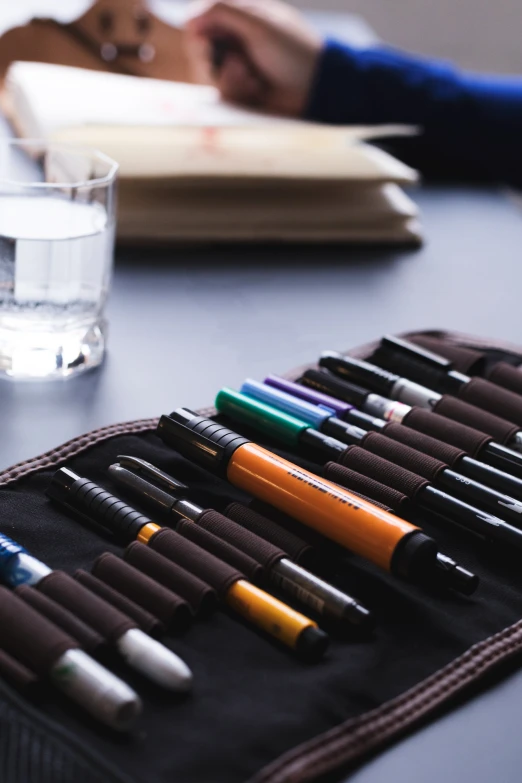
(195, 168)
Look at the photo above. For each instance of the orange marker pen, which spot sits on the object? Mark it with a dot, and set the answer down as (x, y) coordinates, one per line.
(100, 507)
(377, 535)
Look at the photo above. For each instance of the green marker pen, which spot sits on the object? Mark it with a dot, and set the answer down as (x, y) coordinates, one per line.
(286, 429)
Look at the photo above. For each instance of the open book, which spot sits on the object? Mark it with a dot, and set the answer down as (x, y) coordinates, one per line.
(195, 168)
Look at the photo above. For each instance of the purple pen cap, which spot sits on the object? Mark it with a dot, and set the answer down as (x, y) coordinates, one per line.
(338, 407)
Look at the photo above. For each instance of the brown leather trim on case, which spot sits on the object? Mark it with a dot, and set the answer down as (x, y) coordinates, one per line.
(76, 446)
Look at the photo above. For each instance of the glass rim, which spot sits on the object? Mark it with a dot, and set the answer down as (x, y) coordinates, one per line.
(80, 149)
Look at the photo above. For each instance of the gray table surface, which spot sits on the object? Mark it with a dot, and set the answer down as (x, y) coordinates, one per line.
(183, 323)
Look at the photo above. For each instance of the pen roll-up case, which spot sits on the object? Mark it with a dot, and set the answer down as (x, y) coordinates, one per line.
(257, 713)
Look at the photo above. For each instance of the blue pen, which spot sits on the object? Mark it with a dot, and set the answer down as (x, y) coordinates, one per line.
(466, 478)
(320, 418)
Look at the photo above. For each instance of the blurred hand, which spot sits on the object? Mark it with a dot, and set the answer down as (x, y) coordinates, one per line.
(260, 53)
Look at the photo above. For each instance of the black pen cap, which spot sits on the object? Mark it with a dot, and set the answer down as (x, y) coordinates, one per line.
(378, 380)
(325, 381)
(201, 440)
(398, 345)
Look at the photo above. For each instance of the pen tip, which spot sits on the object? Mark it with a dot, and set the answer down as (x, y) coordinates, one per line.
(312, 644)
(359, 616)
(155, 661)
(455, 576)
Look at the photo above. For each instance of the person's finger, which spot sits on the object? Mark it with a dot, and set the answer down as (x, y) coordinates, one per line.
(199, 54)
(237, 83)
(226, 17)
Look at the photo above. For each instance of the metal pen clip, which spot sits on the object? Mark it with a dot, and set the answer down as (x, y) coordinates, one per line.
(143, 468)
(155, 490)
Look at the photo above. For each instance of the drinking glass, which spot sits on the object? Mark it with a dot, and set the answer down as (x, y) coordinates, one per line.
(57, 225)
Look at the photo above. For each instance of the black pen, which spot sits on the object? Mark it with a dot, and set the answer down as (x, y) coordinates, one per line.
(435, 371)
(281, 572)
(322, 448)
(296, 400)
(403, 390)
(447, 430)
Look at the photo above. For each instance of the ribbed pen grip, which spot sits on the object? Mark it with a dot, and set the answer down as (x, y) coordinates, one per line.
(104, 509)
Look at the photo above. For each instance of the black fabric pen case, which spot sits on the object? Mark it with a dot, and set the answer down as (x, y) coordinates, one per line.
(257, 713)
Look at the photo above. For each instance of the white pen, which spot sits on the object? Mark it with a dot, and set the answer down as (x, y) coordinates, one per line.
(146, 655)
(97, 690)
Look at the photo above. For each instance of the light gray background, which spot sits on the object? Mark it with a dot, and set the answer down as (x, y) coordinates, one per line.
(477, 34)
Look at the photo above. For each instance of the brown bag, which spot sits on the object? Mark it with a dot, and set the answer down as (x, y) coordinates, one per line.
(120, 36)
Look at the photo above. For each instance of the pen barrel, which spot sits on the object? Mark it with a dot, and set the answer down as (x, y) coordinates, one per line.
(343, 431)
(412, 393)
(389, 410)
(437, 471)
(289, 627)
(491, 476)
(419, 372)
(326, 382)
(364, 420)
(96, 689)
(319, 447)
(357, 371)
(503, 458)
(502, 506)
(419, 490)
(99, 506)
(476, 521)
(9, 551)
(325, 401)
(338, 515)
(318, 595)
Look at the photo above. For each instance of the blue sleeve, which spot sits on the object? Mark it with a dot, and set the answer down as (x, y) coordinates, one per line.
(472, 125)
